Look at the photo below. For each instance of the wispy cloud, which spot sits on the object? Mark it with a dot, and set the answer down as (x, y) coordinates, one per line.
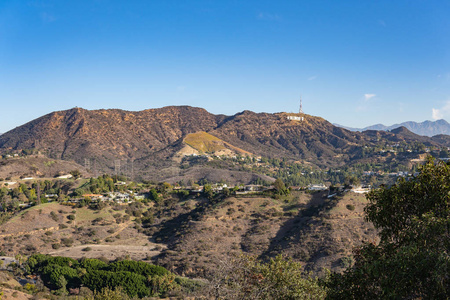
(367, 97)
(313, 77)
(440, 113)
(365, 102)
(47, 18)
(382, 23)
(268, 16)
(181, 88)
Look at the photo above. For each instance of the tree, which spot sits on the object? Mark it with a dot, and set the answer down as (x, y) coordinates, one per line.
(412, 259)
(208, 191)
(245, 277)
(443, 153)
(280, 187)
(76, 174)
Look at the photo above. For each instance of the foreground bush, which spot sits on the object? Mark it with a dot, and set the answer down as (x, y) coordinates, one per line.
(245, 277)
(135, 279)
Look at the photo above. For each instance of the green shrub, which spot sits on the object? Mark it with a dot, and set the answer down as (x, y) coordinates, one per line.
(92, 264)
(54, 216)
(350, 207)
(138, 267)
(67, 242)
(132, 283)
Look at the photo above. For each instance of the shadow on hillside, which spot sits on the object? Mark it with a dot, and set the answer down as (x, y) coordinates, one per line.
(301, 237)
(170, 230)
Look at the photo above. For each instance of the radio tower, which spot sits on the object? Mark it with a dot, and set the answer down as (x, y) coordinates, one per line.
(301, 107)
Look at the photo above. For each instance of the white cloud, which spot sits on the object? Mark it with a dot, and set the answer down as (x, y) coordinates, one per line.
(367, 97)
(313, 77)
(440, 113)
(181, 88)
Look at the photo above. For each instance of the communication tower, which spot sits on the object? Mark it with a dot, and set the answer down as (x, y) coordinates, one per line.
(301, 106)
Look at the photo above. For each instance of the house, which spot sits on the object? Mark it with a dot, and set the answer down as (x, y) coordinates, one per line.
(94, 196)
(252, 187)
(65, 176)
(317, 187)
(364, 189)
(51, 197)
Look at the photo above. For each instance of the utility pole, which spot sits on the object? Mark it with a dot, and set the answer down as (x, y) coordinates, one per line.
(87, 164)
(95, 168)
(117, 166)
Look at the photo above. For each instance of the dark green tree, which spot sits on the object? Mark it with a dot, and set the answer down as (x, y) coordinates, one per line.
(280, 187)
(412, 259)
(208, 191)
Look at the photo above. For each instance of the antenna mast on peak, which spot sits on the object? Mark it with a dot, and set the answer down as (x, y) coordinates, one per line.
(301, 106)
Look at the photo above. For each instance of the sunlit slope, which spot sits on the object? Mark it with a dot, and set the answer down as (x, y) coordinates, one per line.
(204, 142)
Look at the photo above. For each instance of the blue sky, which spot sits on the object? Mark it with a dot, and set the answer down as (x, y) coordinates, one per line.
(356, 63)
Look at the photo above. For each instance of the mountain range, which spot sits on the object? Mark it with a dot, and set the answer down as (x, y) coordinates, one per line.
(154, 143)
(426, 128)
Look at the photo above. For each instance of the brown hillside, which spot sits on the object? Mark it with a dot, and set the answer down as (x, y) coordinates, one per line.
(152, 138)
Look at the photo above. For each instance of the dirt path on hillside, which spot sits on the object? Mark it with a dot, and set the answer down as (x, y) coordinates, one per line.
(111, 252)
(121, 228)
(29, 232)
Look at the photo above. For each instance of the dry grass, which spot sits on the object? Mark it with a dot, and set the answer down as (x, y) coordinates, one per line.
(207, 143)
(85, 215)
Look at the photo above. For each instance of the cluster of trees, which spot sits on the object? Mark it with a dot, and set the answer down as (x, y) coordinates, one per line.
(412, 260)
(32, 192)
(136, 279)
(103, 184)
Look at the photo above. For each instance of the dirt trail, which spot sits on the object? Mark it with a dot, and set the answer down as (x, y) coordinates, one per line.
(122, 227)
(111, 251)
(29, 232)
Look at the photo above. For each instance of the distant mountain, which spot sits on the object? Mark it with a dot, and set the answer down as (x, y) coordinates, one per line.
(426, 128)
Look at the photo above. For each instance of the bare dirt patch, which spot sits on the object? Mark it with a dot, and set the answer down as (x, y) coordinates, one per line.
(112, 252)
